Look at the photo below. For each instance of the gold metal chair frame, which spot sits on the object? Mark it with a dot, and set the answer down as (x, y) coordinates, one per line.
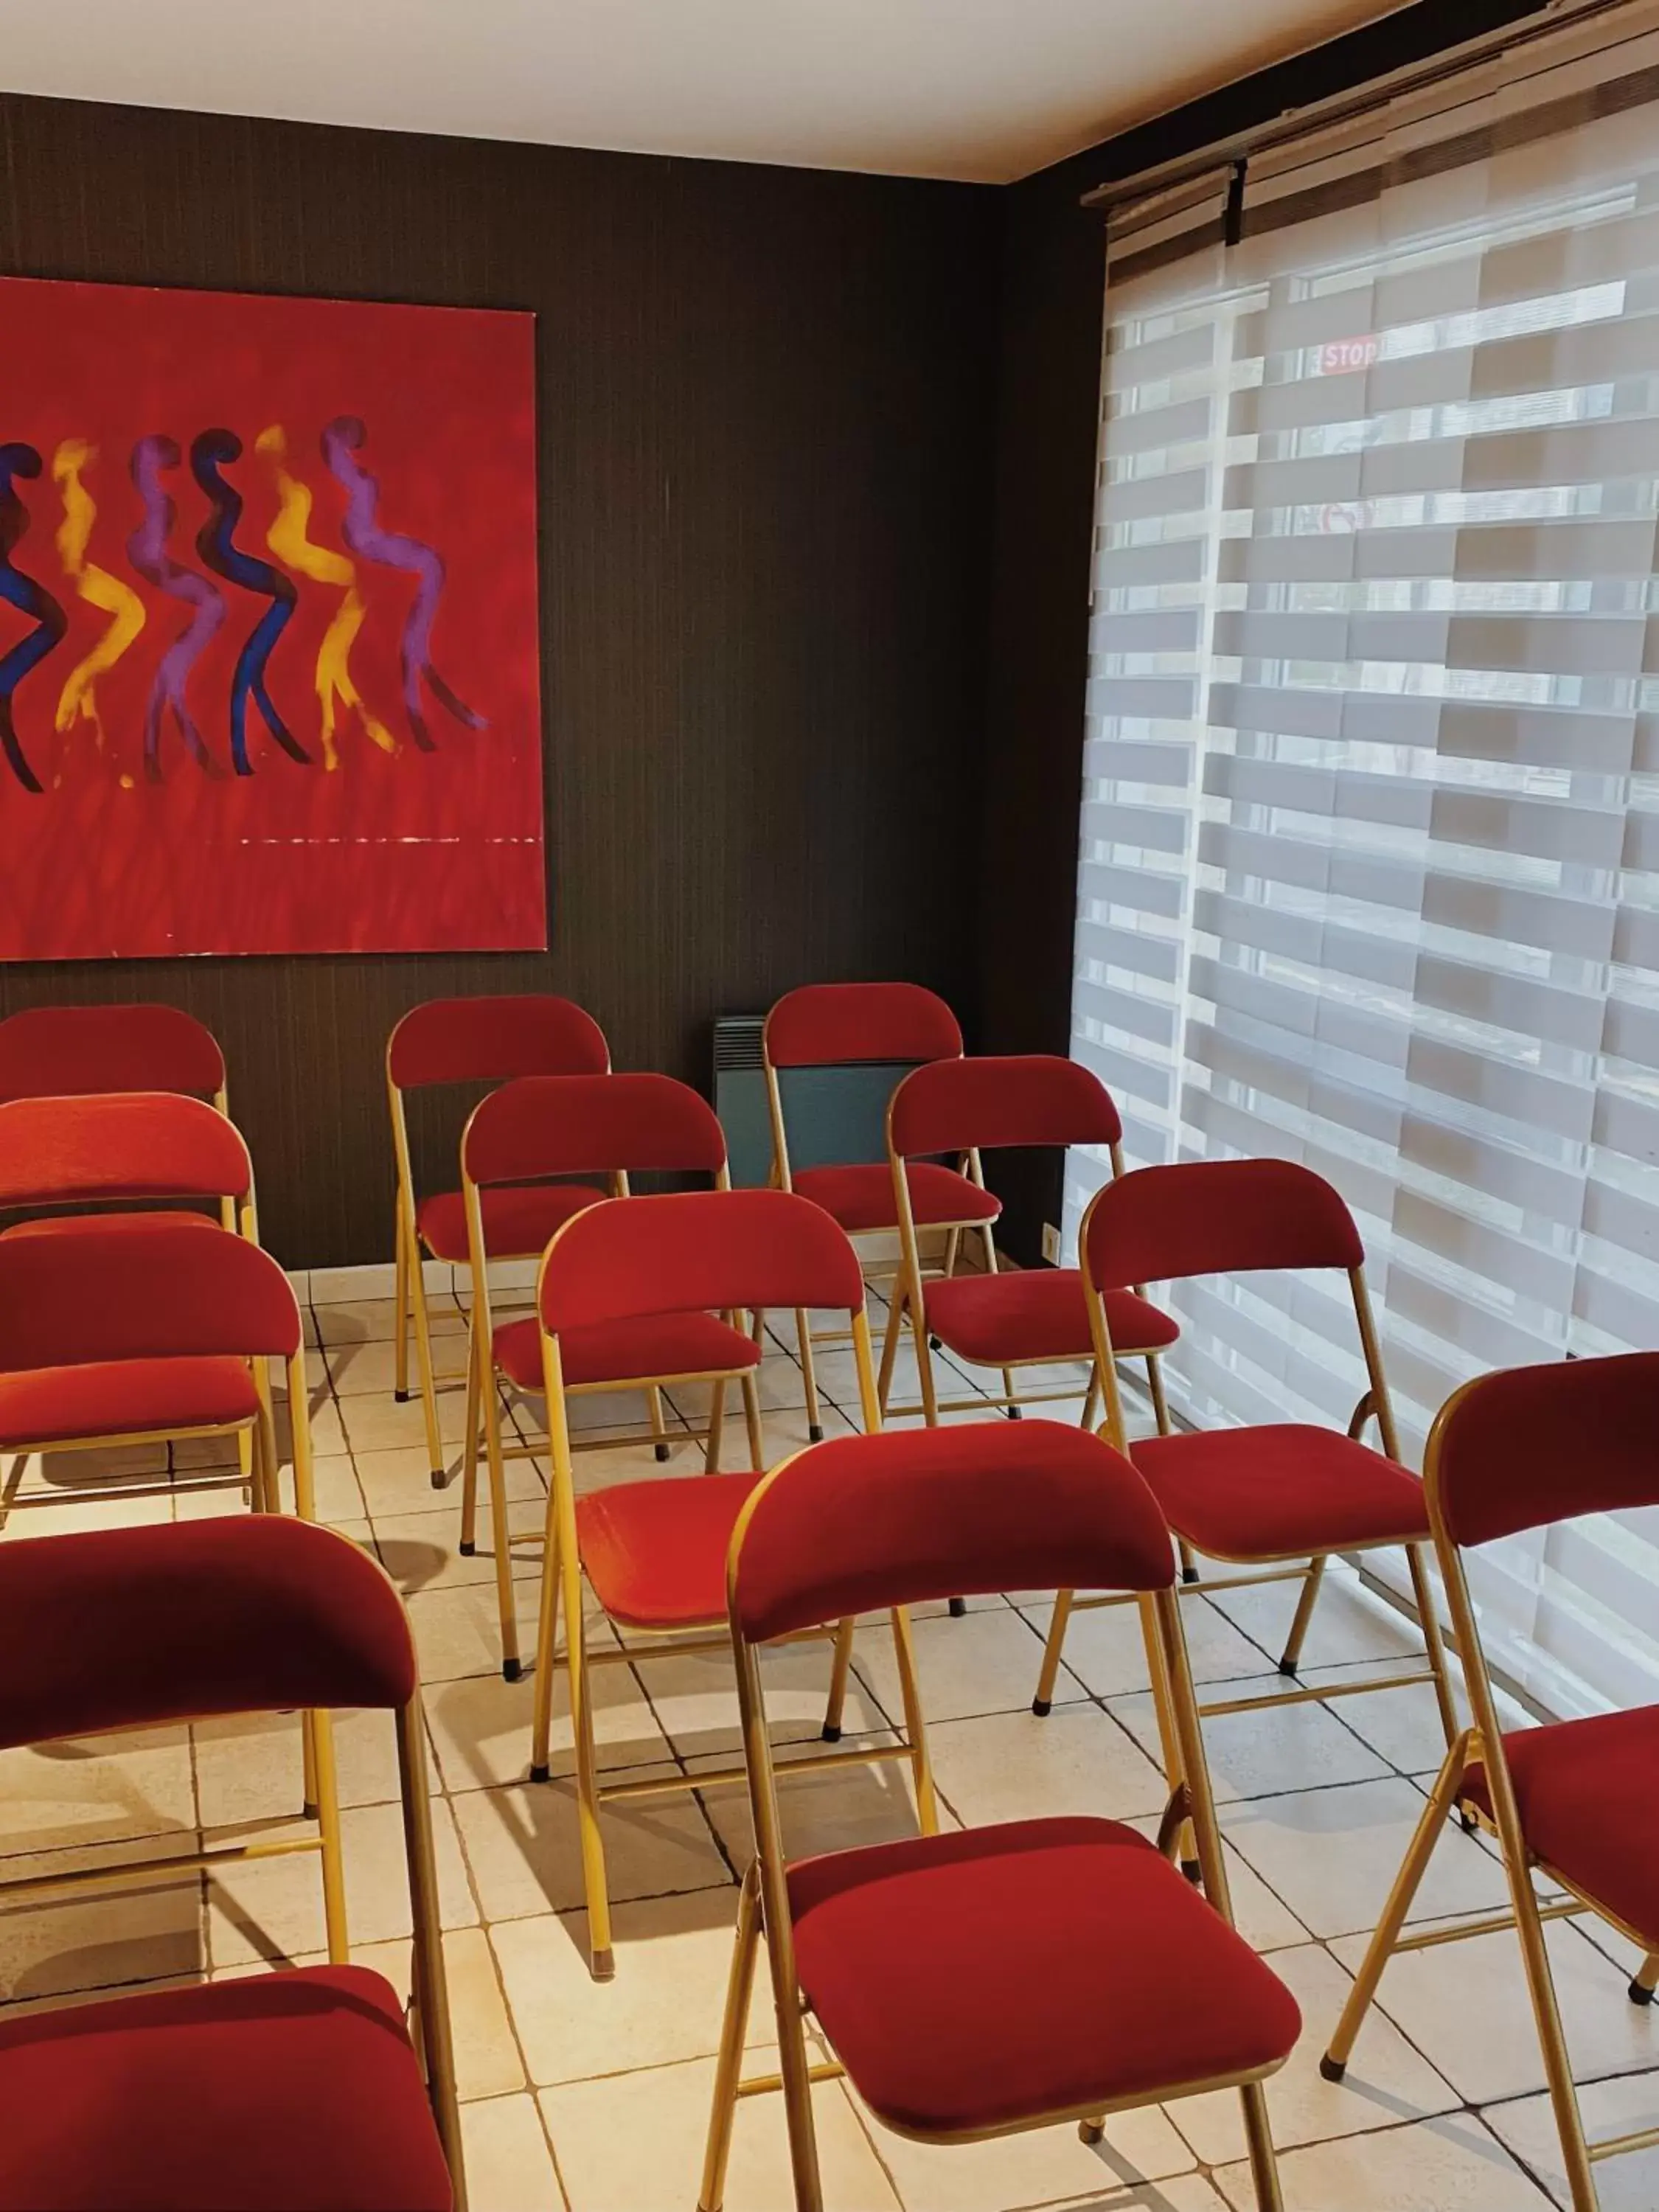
(764, 1909)
(909, 1300)
(429, 2006)
(409, 1304)
(561, 1579)
(1483, 1744)
(876, 1272)
(1275, 1565)
(485, 1389)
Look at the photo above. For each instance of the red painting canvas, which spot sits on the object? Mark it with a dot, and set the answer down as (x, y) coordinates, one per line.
(268, 626)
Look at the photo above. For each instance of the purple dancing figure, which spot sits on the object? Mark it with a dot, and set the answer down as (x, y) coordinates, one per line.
(147, 550)
(363, 535)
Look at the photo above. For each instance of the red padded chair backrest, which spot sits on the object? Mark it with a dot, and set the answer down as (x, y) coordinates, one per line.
(491, 1040)
(1215, 1218)
(866, 1522)
(136, 1627)
(628, 1258)
(66, 1051)
(141, 1293)
(1534, 1445)
(1023, 1098)
(144, 1144)
(554, 1125)
(821, 1024)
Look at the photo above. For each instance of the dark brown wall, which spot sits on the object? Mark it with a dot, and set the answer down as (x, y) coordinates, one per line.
(765, 403)
(1053, 288)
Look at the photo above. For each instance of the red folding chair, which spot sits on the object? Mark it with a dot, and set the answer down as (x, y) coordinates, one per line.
(1035, 1317)
(839, 1025)
(1259, 1497)
(289, 2091)
(122, 1149)
(60, 1052)
(630, 1286)
(992, 1981)
(154, 1334)
(1577, 1802)
(589, 1126)
(448, 1042)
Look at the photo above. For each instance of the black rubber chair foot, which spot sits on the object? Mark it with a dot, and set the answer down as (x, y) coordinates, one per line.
(662, 1451)
(933, 1344)
(1189, 1574)
(439, 1478)
(1639, 1995)
(1016, 1412)
(603, 1967)
(831, 1735)
(1467, 1822)
(1091, 2132)
(1289, 1666)
(465, 1549)
(1333, 2069)
(814, 1433)
(309, 1810)
(401, 1396)
(959, 1607)
(1193, 1872)
(540, 1773)
(1042, 1707)
(511, 1670)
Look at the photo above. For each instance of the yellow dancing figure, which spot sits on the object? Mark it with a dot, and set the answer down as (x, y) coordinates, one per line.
(78, 700)
(288, 540)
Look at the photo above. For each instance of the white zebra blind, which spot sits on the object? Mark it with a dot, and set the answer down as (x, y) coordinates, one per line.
(1369, 852)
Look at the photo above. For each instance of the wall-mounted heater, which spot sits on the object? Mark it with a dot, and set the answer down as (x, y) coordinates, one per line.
(834, 1115)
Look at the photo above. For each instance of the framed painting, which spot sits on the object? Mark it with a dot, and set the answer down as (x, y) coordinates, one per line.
(268, 668)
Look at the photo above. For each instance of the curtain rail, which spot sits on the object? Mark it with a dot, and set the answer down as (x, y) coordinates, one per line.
(1340, 107)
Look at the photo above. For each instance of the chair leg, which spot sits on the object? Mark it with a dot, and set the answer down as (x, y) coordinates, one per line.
(1407, 1884)
(318, 1735)
(470, 1451)
(751, 1416)
(890, 1344)
(1291, 1659)
(424, 1359)
(501, 1534)
(1258, 2133)
(952, 1247)
(547, 1634)
(838, 1673)
(1643, 1981)
(601, 1960)
(1092, 1403)
(1434, 1642)
(809, 1375)
(915, 1723)
(1049, 1674)
(1558, 2065)
(711, 1457)
(659, 1426)
(1165, 1427)
(728, 2067)
(400, 1318)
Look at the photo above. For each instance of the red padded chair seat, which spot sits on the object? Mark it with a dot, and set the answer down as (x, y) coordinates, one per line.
(982, 1978)
(1037, 1313)
(628, 1351)
(123, 1398)
(1589, 1796)
(861, 1197)
(70, 1224)
(655, 1551)
(1280, 1490)
(282, 2093)
(519, 1220)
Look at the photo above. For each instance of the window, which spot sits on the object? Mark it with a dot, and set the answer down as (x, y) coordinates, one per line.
(1370, 853)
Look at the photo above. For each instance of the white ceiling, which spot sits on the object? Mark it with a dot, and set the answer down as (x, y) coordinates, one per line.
(986, 90)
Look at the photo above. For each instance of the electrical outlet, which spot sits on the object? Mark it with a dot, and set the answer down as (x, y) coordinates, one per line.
(1051, 1244)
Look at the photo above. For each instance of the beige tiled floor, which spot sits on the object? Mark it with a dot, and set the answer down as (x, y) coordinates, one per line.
(594, 2098)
